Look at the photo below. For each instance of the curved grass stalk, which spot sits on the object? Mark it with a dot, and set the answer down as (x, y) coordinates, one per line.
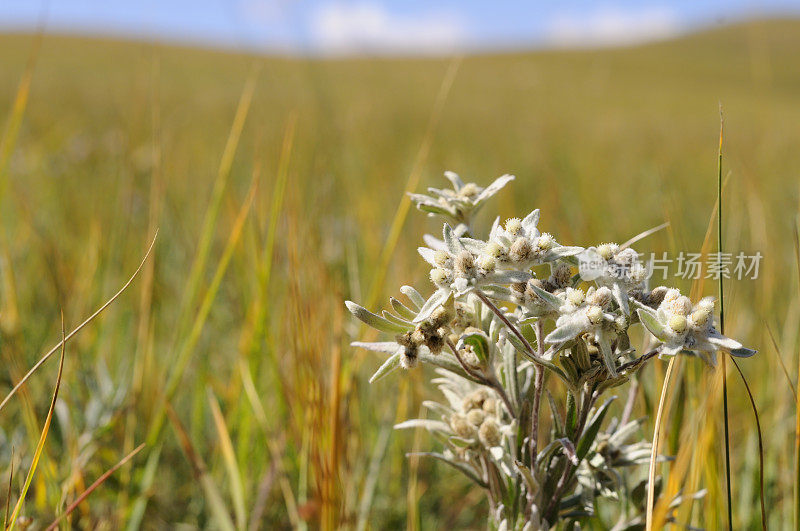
(651, 476)
(78, 329)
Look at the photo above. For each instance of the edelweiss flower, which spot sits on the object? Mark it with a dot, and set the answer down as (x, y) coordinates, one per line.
(618, 269)
(586, 313)
(471, 418)
(681, 326)
(461, 202)
(520, 245)
(458, 270)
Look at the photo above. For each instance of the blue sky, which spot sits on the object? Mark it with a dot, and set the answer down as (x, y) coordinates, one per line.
(375, 26)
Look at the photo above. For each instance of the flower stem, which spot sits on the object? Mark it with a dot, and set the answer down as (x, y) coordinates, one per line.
(489, 382)
(538, 386)
(534, 357)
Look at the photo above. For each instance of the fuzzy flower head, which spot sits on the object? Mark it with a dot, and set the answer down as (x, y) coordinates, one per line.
(683, 326)
(459, 268)
(518, 244)
(582, 313)
(618, 269)
(462, 201)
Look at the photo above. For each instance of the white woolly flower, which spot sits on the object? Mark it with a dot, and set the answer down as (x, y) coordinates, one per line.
(584, 313)
(679, 325)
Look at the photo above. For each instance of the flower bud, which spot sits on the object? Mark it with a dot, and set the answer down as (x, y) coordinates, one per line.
(594, 314)
(700, 317)
(514, 226)
(575, 296)
(470, 190)
(706, 304)
(493, 249)
(677, 323)
(487, 263)
(489, 433)
(545, 241)
(440, 277)
(461, 426)
(441, 257)
(607, 250)
(476, 416)
(489, 406)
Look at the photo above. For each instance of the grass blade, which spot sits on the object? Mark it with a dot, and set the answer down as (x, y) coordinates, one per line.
(78, 329)
(99, 481)
(651, 476)
(760, 446)
(218, 510)
(722, 329)
(234, 475)
(37, 454)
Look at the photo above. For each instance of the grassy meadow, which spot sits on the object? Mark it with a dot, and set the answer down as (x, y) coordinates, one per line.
(273, 184)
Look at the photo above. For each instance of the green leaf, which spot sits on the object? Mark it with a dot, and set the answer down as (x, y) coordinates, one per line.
(743, 352)
(413, 295)
(451, 240)
(463, 468)
(433, 302)
(388, 367)
(551, 300)
(651, 323)
(375, 321)
(572, 415)
(590, 433)
(402, 310)
(608, 354)
(479, 343)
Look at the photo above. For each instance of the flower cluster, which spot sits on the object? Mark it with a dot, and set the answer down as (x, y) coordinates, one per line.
(505, 311)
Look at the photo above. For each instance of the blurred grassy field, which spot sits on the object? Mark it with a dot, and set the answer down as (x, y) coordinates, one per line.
(228, 355)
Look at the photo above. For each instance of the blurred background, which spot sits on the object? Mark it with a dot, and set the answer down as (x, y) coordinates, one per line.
(271, 144)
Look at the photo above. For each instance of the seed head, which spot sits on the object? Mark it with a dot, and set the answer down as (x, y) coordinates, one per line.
(561, 275)
(440, 317)
(464, 263)
(601, 297)
(521, 250)
(409, 358)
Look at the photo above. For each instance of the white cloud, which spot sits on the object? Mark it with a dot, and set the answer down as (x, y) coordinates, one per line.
(346, 28)
(612, 27)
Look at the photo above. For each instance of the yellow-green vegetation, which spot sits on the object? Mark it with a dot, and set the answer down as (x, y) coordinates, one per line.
(273, 183)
